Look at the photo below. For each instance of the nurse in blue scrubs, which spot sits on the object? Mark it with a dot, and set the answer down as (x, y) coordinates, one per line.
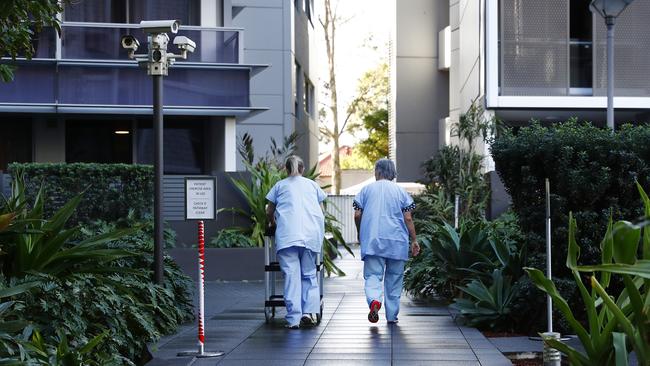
(387, 235)
(294, 207)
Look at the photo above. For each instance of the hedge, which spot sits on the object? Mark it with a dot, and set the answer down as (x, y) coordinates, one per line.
(110, 190)
(591, 171)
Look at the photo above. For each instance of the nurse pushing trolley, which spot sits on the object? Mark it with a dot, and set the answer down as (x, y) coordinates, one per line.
(294, 208)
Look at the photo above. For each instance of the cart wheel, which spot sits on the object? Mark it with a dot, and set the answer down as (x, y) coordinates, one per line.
(273, 312)
(319, 316)
(267, 314)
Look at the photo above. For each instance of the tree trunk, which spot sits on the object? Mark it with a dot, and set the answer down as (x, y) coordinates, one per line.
(329, 27)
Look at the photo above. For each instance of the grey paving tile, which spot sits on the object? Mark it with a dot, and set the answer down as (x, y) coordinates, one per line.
(426, 335)
(348, 363)
(258, 363)
(434, 363)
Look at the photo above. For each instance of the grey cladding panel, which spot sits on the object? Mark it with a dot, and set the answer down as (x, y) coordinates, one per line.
(534, 47)
(631, 52)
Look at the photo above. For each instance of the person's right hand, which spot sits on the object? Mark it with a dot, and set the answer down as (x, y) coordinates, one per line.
(415, 248)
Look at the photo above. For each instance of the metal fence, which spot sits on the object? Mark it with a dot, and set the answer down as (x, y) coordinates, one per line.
(341, 207)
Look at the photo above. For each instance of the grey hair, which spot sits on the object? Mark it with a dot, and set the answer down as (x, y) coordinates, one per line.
(294, 165)
(385, 169)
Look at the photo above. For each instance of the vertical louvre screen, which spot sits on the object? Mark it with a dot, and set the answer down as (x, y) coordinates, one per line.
(631, 52)
(534, 47)
(174, 197)
(341, 208)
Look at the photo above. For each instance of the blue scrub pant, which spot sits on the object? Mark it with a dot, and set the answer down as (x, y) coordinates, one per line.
(301, 293)
(391, 271)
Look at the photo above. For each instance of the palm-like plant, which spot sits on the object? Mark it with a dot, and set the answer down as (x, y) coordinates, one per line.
(489, 306)
(265, 173)
(614, 322)
(31, 242)
(460, 253)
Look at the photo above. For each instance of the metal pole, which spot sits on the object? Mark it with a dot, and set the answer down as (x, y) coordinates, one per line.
(201, 353)
(549, 301)
(456, 211)
(201, 280)
(158, 180)
(610, 71)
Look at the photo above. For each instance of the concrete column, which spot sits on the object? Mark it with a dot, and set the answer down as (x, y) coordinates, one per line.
(230, 144)
(48, 140)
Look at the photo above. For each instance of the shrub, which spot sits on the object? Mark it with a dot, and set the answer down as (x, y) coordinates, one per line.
(82, 282)
(591, 172)
(110, 190)
(231, 238)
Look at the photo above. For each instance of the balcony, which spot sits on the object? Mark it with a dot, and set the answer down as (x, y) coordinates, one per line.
(87, 71)
(551, 54)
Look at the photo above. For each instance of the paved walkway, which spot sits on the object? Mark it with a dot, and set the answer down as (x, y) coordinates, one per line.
(425, 334)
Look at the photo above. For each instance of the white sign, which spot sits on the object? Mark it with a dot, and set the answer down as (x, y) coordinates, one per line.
(200, 198)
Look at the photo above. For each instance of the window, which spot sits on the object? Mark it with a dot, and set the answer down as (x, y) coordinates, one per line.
(96, 11)
(581, 48)
(187, 11)
(184, 145)
(15, 141)
(308, 96)
(93, 141)
(133, 11)
(296, 94)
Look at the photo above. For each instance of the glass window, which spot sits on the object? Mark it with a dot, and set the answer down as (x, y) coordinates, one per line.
(96, 11)
(581, 50)
(296, 85)
(307, 95)
(15, 141)
(184, 144)
(188, 12)
(98, 141)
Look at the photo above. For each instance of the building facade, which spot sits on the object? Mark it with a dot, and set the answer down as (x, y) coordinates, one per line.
(80, 99)
(520, 59)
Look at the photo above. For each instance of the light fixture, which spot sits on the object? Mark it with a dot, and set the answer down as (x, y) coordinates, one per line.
(122, 132)
(609, 8)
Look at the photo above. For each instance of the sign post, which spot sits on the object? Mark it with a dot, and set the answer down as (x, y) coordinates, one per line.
(200, 204)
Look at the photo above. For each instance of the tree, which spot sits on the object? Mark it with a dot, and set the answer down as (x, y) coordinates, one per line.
(20, 20)
(375, 146)
(371, 112)
(372, 93)
(330, 23)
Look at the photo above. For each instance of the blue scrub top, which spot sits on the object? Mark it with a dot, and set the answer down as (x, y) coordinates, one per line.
(383, 231)
(298, 215)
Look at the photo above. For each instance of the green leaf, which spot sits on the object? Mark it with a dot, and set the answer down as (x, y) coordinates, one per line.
(607, 249)
(641, 268)
(573, 252)
(560, 303)
(619, 347)
(626, 239)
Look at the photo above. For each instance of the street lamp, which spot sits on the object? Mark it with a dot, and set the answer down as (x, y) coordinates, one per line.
(157, 60)
(609, 10)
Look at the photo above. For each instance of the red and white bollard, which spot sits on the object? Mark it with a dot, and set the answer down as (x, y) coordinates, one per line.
(201, 287)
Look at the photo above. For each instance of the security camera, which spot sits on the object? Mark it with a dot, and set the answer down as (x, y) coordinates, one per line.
(160, 26)
(184, 43)
(130, 43)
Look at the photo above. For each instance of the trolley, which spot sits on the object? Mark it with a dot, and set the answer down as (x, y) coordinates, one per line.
(271, 269)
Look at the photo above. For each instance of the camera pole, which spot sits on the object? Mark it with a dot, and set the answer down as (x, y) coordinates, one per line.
(157, 60)
(159, 171)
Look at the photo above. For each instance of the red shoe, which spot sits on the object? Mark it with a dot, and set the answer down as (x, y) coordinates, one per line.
(373, 315)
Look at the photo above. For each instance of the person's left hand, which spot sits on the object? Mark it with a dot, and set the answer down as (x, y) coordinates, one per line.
(415, 248)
